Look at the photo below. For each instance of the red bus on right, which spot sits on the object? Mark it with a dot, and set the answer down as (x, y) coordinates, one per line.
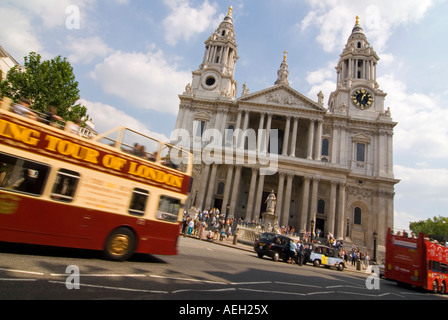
(421, 262)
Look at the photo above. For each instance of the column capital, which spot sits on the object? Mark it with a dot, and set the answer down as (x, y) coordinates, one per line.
(282, 173)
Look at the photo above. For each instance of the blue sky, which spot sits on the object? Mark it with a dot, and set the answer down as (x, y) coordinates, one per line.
(133, 58)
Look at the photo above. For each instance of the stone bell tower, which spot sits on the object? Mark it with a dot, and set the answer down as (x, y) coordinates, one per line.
(215, 76)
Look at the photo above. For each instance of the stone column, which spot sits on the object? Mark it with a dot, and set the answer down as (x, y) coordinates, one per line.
(250, 200)
(236, 187)
(305, 200)
(341, 220)
(268, 131)
(294, 137)
(286, 136)
(313, 205)
(211, 187)
(281, 184)
(310, 140)
(318, 142)
(227, 187)
(237, 135)
(285, 215)
(332, 208)
(261, 135)
(203, 186)
(258, 198)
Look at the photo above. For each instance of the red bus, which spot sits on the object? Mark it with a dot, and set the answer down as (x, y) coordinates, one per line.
(420, 262)
(105, 193)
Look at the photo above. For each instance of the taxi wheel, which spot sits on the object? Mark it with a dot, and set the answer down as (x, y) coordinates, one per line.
(120, 245)
(276, 257)
(340, 267)
(316, 263)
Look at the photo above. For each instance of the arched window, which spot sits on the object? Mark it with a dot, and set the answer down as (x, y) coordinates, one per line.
(357, 216)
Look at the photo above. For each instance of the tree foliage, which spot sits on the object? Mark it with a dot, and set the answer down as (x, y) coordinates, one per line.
(45, 83)
(436, 226)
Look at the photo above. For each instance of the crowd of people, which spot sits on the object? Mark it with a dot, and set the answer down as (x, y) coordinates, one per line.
(212, 225)
(23, 108)
(209, 224)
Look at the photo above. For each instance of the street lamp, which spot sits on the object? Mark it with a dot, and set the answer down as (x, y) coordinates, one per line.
(375, 237)
(312, 229)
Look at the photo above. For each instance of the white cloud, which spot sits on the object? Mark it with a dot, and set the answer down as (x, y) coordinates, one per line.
(323, 80)
(17, 36)
(185, 21)
(107, 117)
(403, 219)
(428, 184)
(378, 20)
(421, 194)
(143, 80)
(51, 13)
(421, 118)
(85, 50)
(23, 21)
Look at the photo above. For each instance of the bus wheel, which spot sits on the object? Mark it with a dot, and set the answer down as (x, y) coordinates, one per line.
(443, 288)
(435, 286)
(120, 245)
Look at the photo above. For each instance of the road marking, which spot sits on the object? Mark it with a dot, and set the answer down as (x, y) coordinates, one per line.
(114, 288)
(345, 286)
(372, 295)
(22, 271)
(274, 292)
(324, 292)
(18, 280)
(102, 275)
(298, 284)
(210, 290)
(188, 279)
(255, 282)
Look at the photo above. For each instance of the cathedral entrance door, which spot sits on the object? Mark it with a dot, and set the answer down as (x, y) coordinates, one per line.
(320, 224)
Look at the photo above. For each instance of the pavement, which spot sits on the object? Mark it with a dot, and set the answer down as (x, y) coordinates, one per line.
(244, 245)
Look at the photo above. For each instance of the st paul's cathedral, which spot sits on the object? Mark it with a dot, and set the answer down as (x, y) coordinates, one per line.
(333, 163)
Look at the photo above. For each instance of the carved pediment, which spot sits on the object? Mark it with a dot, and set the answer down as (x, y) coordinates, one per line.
(282, 96)
(362, 138)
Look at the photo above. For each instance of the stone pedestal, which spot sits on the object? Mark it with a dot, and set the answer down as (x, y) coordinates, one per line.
(270, 222)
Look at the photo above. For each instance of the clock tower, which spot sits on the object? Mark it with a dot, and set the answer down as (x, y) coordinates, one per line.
(357, 91)
(362, 127)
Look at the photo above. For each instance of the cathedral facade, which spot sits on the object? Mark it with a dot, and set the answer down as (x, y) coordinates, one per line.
(330, 167)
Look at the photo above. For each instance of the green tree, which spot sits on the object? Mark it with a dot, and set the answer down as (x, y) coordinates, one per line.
(45, 83)
(436, 226)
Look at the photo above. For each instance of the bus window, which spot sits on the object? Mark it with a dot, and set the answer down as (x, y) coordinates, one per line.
(65, 186)
(20, 175)
(434, 266)
(444, 268)
(138, 202)
(169, 209)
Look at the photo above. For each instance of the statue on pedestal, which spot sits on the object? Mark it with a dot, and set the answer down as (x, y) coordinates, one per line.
(270, 222)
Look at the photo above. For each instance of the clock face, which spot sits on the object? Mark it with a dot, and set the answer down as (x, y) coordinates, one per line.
(362, 99)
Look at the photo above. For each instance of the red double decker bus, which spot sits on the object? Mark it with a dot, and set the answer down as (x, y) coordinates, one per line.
(420, 262)
(105, 193)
